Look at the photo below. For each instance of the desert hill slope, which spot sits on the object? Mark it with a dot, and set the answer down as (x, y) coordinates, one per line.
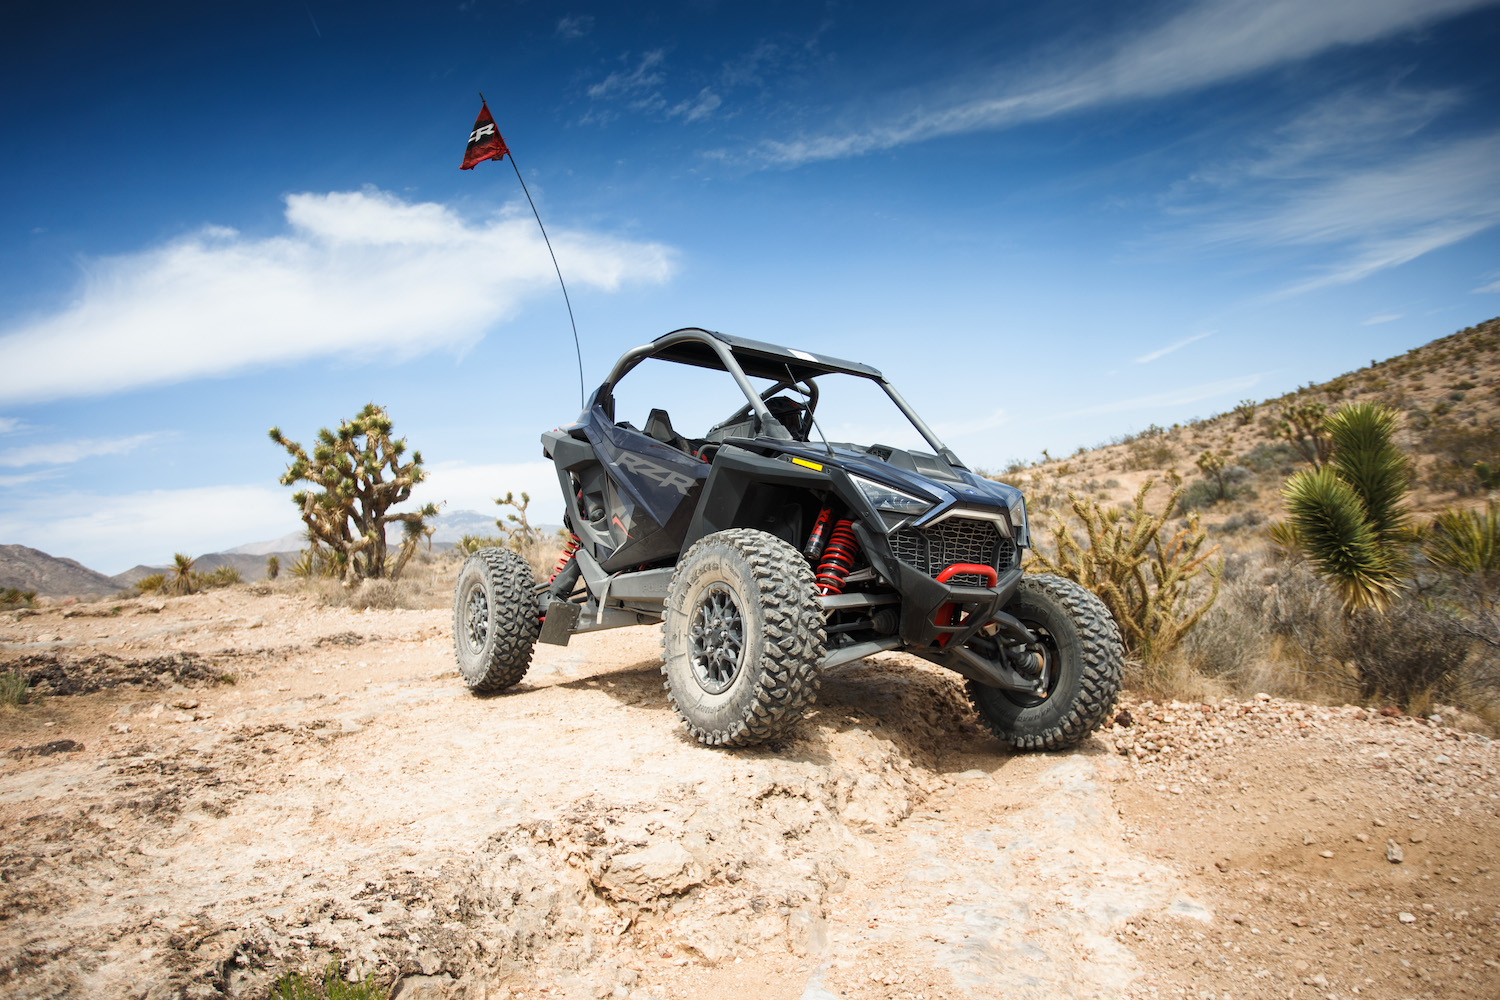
(50, 576)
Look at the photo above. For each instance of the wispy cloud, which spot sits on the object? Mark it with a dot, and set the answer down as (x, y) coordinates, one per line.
(359, 273)
(1493, 286)
(1145, 359)
(1210, 42)
(575, 26)
(1173, 397)
(1383, 318)
(1381, 216)
(697, 108)
(68, 452)
(8, 424)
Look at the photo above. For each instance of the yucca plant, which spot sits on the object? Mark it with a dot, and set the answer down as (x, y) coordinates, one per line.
(273, 567)
(180, 578)
(1466, 542)
(1349, 516)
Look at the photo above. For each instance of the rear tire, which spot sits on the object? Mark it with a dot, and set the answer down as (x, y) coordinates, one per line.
(1085, 660)
(742, 635)
(495, 620)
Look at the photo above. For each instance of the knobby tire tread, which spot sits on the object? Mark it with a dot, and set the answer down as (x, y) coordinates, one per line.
(516, 627)
(786, 681)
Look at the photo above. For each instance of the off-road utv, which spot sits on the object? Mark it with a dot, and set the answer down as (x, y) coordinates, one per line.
(769, 554)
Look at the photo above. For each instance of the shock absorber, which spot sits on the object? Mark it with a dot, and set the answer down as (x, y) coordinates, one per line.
(838, 558)
(569, 547)
(815, 540)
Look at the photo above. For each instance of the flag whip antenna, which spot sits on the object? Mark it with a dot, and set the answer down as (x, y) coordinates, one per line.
(577, 349)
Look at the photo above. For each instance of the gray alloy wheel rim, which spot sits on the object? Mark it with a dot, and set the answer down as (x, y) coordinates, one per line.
(477, 617)
(717, 631)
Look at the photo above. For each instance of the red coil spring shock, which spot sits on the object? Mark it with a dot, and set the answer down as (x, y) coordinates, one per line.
(838, 558)
(569, 547)
(815, 540)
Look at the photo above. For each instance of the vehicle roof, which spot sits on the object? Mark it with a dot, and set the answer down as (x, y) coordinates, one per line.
(689, 346)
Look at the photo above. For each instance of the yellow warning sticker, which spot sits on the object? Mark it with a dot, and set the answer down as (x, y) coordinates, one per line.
(807, 465)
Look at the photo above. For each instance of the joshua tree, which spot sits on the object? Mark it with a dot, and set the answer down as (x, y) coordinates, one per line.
(1245, 411)
(1305, 426)
(273, 567)
(1348, 516)
(1211, 463)
(518, 533)
(349, 512)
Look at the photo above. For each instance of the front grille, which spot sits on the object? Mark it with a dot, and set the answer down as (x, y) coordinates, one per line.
(956, 540)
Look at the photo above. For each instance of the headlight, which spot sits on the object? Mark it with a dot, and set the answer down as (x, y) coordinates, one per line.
(1018, 523)
(885, 498)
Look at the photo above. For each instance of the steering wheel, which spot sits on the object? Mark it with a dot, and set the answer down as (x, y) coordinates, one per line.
(807, 388)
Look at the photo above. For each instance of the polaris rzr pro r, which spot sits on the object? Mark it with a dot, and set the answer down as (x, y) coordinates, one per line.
(769, 554)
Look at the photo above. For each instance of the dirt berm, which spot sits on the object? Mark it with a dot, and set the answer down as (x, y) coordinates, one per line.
(245, 784)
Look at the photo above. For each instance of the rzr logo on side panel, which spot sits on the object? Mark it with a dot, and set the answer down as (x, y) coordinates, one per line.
(666, 478)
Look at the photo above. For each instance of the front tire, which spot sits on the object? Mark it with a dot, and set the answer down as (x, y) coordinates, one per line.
(1084, 656)
(495, 621)
(742, 635)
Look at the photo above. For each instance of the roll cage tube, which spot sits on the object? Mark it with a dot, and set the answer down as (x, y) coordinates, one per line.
(927, 433)
(725, 354)
(630, 359)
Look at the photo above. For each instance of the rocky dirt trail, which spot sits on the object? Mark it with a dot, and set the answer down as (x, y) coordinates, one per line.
(243, 783)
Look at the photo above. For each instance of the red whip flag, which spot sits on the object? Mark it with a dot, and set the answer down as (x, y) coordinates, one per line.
(485, 142)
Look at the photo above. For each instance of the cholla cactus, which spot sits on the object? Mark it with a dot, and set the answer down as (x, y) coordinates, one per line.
(1145, 581)
(349, 512)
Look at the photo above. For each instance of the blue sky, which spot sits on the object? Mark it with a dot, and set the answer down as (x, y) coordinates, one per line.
(1050, 223)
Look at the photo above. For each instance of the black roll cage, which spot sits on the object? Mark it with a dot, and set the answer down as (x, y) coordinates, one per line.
(741, 358)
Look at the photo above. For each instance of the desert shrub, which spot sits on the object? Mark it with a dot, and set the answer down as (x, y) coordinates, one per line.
(1147, 581)
(13, 688)
(381, 595)
(1276, 629)
(14, 597)
(150, 584)
(1409, 654)
(273, 567)
(219, 576)
(331, 986)
(1457, 448)
(1149, 449)
(1241, 521)
(1270, 456)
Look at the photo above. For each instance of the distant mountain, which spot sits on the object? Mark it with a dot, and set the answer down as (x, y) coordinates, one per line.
(50, 576)
(294, 541)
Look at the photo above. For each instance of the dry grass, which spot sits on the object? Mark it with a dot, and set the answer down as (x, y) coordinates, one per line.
(426, 582)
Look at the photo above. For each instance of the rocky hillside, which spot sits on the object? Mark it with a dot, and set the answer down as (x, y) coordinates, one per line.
(1446, 392)
(30, 569)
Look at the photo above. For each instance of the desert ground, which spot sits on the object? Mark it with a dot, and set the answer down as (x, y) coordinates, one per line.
(226, 786)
